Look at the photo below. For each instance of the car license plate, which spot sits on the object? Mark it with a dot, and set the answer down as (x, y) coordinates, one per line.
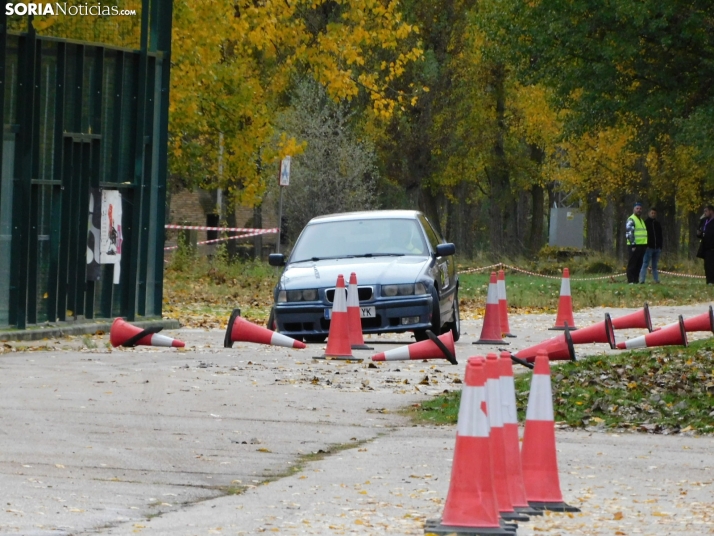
(364, 312)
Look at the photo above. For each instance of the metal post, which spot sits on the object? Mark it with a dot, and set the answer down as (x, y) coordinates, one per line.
(280, 219)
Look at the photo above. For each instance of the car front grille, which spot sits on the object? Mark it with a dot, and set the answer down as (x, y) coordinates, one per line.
(364, 294)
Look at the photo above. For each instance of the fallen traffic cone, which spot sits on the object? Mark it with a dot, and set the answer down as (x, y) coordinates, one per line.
(702, 322)
(565, 304)
(491, 332)
(503, 304)
(600, 332)
(638, 319)
(498, 450)
(354, 317)
(511, 441)
(441, 347)
(338, 339)
(470, 502)
(559, 348)
(538, 456)
(124, 334)
(672, 335)
(239, 329)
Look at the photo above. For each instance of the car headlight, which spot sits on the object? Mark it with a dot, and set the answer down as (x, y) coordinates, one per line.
(408, 289)
(309, 294)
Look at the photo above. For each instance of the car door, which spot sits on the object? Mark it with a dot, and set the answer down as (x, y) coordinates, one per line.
(444, 270)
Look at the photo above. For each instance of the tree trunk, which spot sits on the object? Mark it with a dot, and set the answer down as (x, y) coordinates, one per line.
(258, 239)
(535, 238)
(595, 224)
(692, 225)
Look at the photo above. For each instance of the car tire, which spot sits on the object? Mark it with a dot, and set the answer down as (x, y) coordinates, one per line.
(315, 338)
(271, 320)
(455, 324)
(420, 334)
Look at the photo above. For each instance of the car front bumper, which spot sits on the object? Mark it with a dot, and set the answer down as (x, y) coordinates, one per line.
(299, 320)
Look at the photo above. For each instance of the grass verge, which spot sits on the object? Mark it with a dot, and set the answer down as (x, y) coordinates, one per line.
(664, 390)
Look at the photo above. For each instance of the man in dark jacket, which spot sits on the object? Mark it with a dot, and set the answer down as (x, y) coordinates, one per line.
(706, 248)
(654, 246)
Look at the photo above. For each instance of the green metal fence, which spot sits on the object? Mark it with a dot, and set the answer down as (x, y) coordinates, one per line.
(79, 115)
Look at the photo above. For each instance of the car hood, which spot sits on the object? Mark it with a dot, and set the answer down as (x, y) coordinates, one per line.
(370, 271)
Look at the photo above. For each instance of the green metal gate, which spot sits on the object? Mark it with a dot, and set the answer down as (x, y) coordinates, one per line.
(76, 116)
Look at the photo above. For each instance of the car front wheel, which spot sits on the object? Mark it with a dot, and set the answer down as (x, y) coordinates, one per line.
(455, 324)
(420, 334)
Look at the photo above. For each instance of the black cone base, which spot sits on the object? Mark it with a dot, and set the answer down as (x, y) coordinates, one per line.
(514, 516)
(527, 510)
(434, 526)
(553, 506)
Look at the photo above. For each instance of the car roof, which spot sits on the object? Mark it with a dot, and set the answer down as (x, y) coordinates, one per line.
(368, 215)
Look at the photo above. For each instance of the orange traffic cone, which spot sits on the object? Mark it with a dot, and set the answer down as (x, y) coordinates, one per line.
(600, 332)
(638, 319)
(498, 450)
(538, 456)
(558, 348)
(338, 340)
(239, 329)
(565, 304)
(470, 501)
(702, 322)
(503, 304)
(354, 317)
(124, 334)
(441, 347)
(491, 332)
(511, 441)
(672, 335)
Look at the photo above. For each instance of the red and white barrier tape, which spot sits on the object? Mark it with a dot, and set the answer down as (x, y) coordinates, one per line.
(247, 235)
(611, 276)
(226, 229)
(682, 275)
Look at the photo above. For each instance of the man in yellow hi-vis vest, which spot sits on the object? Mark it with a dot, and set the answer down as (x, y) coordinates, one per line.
(636, 234)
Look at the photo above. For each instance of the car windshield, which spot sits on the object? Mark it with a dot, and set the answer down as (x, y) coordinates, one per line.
(359, 238)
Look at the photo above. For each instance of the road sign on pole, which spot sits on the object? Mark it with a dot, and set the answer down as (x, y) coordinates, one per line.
(285, 172)
(284, 180)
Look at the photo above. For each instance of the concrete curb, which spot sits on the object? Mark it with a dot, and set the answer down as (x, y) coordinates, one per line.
(83, 328)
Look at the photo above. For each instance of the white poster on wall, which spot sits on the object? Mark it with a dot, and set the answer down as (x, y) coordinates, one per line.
(111, 231)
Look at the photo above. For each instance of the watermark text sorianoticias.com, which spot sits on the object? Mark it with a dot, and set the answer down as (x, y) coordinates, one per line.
(63, 8)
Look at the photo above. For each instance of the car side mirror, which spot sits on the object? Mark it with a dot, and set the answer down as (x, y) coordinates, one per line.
(444, 250)
(276, 259)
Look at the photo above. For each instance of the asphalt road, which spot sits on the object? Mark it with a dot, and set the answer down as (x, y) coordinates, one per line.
(243, 441)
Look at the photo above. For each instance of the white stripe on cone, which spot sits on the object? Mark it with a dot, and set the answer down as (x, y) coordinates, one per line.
(278, 339)
(161, 340)
(637, 342)
(540, 399)
(493, 401)
(352, 296)
(472, 421)
(501, 288)
(398, 354)
(508, 400)
(492, 296)
(565, 286)
(339, 304)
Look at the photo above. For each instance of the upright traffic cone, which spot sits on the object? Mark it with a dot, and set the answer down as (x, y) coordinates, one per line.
(638, 319)
(511, 441)
(124, 334)
(239, 329)
(558, 348)
(354, 316)
(491, 332)
(338, 339)
(498, 450)
(600, 332)
(538, 456)
(470, 505)
(441, 347)
(503, 304)
(565, 304)
(702, 322)
(672, 335)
